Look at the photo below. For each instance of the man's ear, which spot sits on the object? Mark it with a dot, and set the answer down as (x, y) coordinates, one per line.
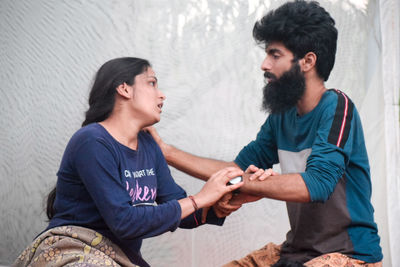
(308, 62)
(124, 90)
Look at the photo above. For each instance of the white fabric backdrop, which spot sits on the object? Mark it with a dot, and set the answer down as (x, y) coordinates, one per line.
(208, 67)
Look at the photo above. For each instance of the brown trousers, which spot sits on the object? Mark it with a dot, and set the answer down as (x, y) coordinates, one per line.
(269, 254)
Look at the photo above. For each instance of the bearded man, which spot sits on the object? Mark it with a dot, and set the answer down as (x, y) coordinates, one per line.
(316, 135)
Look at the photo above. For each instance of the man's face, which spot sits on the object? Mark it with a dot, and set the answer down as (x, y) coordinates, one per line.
(278, 60)
(285, 81)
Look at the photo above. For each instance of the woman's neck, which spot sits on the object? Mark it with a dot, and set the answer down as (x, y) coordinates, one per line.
(124, 131)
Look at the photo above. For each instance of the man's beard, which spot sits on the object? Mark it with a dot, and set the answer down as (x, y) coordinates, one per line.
(283, 93)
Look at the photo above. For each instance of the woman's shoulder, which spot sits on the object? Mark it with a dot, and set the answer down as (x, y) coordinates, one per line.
(93, 129)
(90, 133)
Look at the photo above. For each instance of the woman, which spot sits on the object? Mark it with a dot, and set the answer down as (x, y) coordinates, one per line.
(112, 175)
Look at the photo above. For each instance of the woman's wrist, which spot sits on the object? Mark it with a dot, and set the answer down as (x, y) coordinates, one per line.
(194, 203)
(200, 201)
(187, 206)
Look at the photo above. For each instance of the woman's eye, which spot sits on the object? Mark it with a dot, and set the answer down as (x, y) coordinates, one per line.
(152, 83)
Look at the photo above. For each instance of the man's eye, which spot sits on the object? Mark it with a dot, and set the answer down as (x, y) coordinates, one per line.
(152, 83)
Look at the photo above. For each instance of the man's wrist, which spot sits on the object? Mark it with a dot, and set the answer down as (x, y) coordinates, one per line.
(166, 150)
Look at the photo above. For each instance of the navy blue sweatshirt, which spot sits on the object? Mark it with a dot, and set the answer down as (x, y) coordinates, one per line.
(126, 195)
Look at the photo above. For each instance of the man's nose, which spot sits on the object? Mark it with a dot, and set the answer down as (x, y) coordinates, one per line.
(266, 64)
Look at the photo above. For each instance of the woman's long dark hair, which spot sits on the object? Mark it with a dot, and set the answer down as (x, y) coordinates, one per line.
(102, 97)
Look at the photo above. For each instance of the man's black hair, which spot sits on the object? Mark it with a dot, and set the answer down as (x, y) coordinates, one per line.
(302, 27)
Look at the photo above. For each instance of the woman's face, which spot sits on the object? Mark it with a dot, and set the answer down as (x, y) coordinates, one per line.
(147, 98)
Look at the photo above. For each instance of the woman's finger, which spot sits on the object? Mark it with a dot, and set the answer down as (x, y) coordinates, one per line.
(235, 186)
(227, 174)
(225, 171)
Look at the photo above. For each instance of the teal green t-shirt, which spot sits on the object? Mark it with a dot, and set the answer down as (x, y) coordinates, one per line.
(326, 146)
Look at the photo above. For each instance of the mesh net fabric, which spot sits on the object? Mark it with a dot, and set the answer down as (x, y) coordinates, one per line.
(208, 66)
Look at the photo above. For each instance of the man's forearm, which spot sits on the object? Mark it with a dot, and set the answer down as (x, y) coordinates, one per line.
(193, 165)
(286, 187)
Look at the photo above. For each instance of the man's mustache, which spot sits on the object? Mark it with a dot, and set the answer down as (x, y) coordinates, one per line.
(269, 75)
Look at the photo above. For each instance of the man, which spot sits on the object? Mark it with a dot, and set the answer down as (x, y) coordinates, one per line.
(316, 136)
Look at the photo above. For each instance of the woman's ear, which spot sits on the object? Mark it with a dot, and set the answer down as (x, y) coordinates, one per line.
(124, 90)
(308, 62)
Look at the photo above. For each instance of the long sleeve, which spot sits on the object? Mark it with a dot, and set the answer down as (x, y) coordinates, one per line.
(331, 149)
(261, 152)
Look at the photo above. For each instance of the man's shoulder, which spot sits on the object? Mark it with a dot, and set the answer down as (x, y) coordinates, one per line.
(335, 95)
(335, 100)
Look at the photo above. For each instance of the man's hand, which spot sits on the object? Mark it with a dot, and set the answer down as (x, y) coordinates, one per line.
(243, 198)
(223, 207)
(151, 130)
(259, 174)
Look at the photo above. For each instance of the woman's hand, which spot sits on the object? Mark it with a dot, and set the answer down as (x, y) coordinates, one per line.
(252, 173)
(217, 186)
(230, 203)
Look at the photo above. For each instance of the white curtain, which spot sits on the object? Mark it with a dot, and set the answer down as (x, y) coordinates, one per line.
(390, 64)
(209, 68)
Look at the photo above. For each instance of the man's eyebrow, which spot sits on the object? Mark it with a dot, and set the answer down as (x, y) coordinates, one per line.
(273, 50)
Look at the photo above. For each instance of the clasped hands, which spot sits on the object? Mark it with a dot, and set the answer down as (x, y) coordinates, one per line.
(231, 202)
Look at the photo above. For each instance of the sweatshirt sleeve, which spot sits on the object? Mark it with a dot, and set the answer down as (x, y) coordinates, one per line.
(194, 219)
(261, 152)
(97, 166)
(331, 149)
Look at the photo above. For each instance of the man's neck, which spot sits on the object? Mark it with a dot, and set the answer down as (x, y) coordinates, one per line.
(315, 88)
